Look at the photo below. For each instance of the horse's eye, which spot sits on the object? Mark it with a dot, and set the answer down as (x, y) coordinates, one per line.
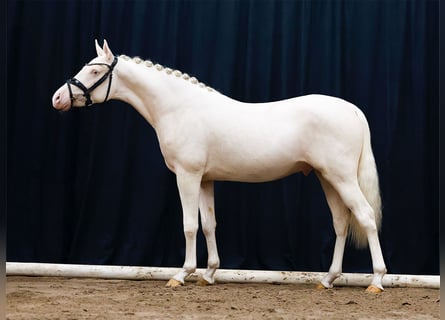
(94, 71)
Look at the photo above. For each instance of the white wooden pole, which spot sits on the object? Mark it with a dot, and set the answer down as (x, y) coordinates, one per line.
(222, 275)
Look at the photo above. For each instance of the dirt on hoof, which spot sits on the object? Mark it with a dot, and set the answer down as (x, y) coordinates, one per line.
(173, 283)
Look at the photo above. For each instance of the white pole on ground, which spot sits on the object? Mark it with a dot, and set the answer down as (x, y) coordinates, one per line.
(222, 275)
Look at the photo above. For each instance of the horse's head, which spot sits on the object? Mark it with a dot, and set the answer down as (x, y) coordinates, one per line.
(91, 85)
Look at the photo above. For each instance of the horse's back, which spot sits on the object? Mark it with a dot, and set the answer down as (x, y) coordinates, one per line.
(266, 141)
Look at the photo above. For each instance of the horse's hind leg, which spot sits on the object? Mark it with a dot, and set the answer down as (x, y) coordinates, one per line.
(208, 221)
(340, 217)
(354, 199)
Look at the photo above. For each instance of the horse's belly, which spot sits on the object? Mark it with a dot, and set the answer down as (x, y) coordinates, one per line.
(257, 150)
(255, 171)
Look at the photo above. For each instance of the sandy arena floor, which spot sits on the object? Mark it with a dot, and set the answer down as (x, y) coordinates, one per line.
(67, 298)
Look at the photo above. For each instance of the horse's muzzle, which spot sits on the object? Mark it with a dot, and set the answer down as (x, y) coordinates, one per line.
(61, 100)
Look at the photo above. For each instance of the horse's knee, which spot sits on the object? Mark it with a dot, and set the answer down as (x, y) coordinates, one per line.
(208, 230)
(190, 231)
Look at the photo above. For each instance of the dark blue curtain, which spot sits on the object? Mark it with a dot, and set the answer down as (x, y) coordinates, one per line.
(90, 186)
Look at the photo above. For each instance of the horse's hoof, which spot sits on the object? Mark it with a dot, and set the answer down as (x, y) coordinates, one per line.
(320, 286)
(202, 282)
(173, 283)
(374, 289)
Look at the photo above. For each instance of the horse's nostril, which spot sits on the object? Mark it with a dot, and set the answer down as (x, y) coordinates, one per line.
(56, 99)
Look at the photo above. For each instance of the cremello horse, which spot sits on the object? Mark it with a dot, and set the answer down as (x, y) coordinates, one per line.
(206, 136)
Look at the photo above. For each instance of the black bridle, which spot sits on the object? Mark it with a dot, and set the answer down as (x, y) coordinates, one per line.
(87, 91)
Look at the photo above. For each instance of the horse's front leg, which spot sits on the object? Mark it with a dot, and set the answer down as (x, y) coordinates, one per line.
(188, 185)
(208, 222)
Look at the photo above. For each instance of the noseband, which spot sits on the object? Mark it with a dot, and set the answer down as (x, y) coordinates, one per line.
(87, 91)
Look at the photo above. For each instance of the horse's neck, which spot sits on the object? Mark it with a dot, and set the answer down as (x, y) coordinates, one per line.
(153, 93)
(139, 87)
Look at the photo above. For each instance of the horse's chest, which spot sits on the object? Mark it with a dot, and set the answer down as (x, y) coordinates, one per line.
(182, 150)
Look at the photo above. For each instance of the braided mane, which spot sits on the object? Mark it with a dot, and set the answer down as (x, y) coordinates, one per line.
(159, 67)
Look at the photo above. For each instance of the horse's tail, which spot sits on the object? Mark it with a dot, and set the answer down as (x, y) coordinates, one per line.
(369, 184)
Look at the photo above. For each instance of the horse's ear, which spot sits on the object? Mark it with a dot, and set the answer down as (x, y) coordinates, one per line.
(107, 51)
(99, 50)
